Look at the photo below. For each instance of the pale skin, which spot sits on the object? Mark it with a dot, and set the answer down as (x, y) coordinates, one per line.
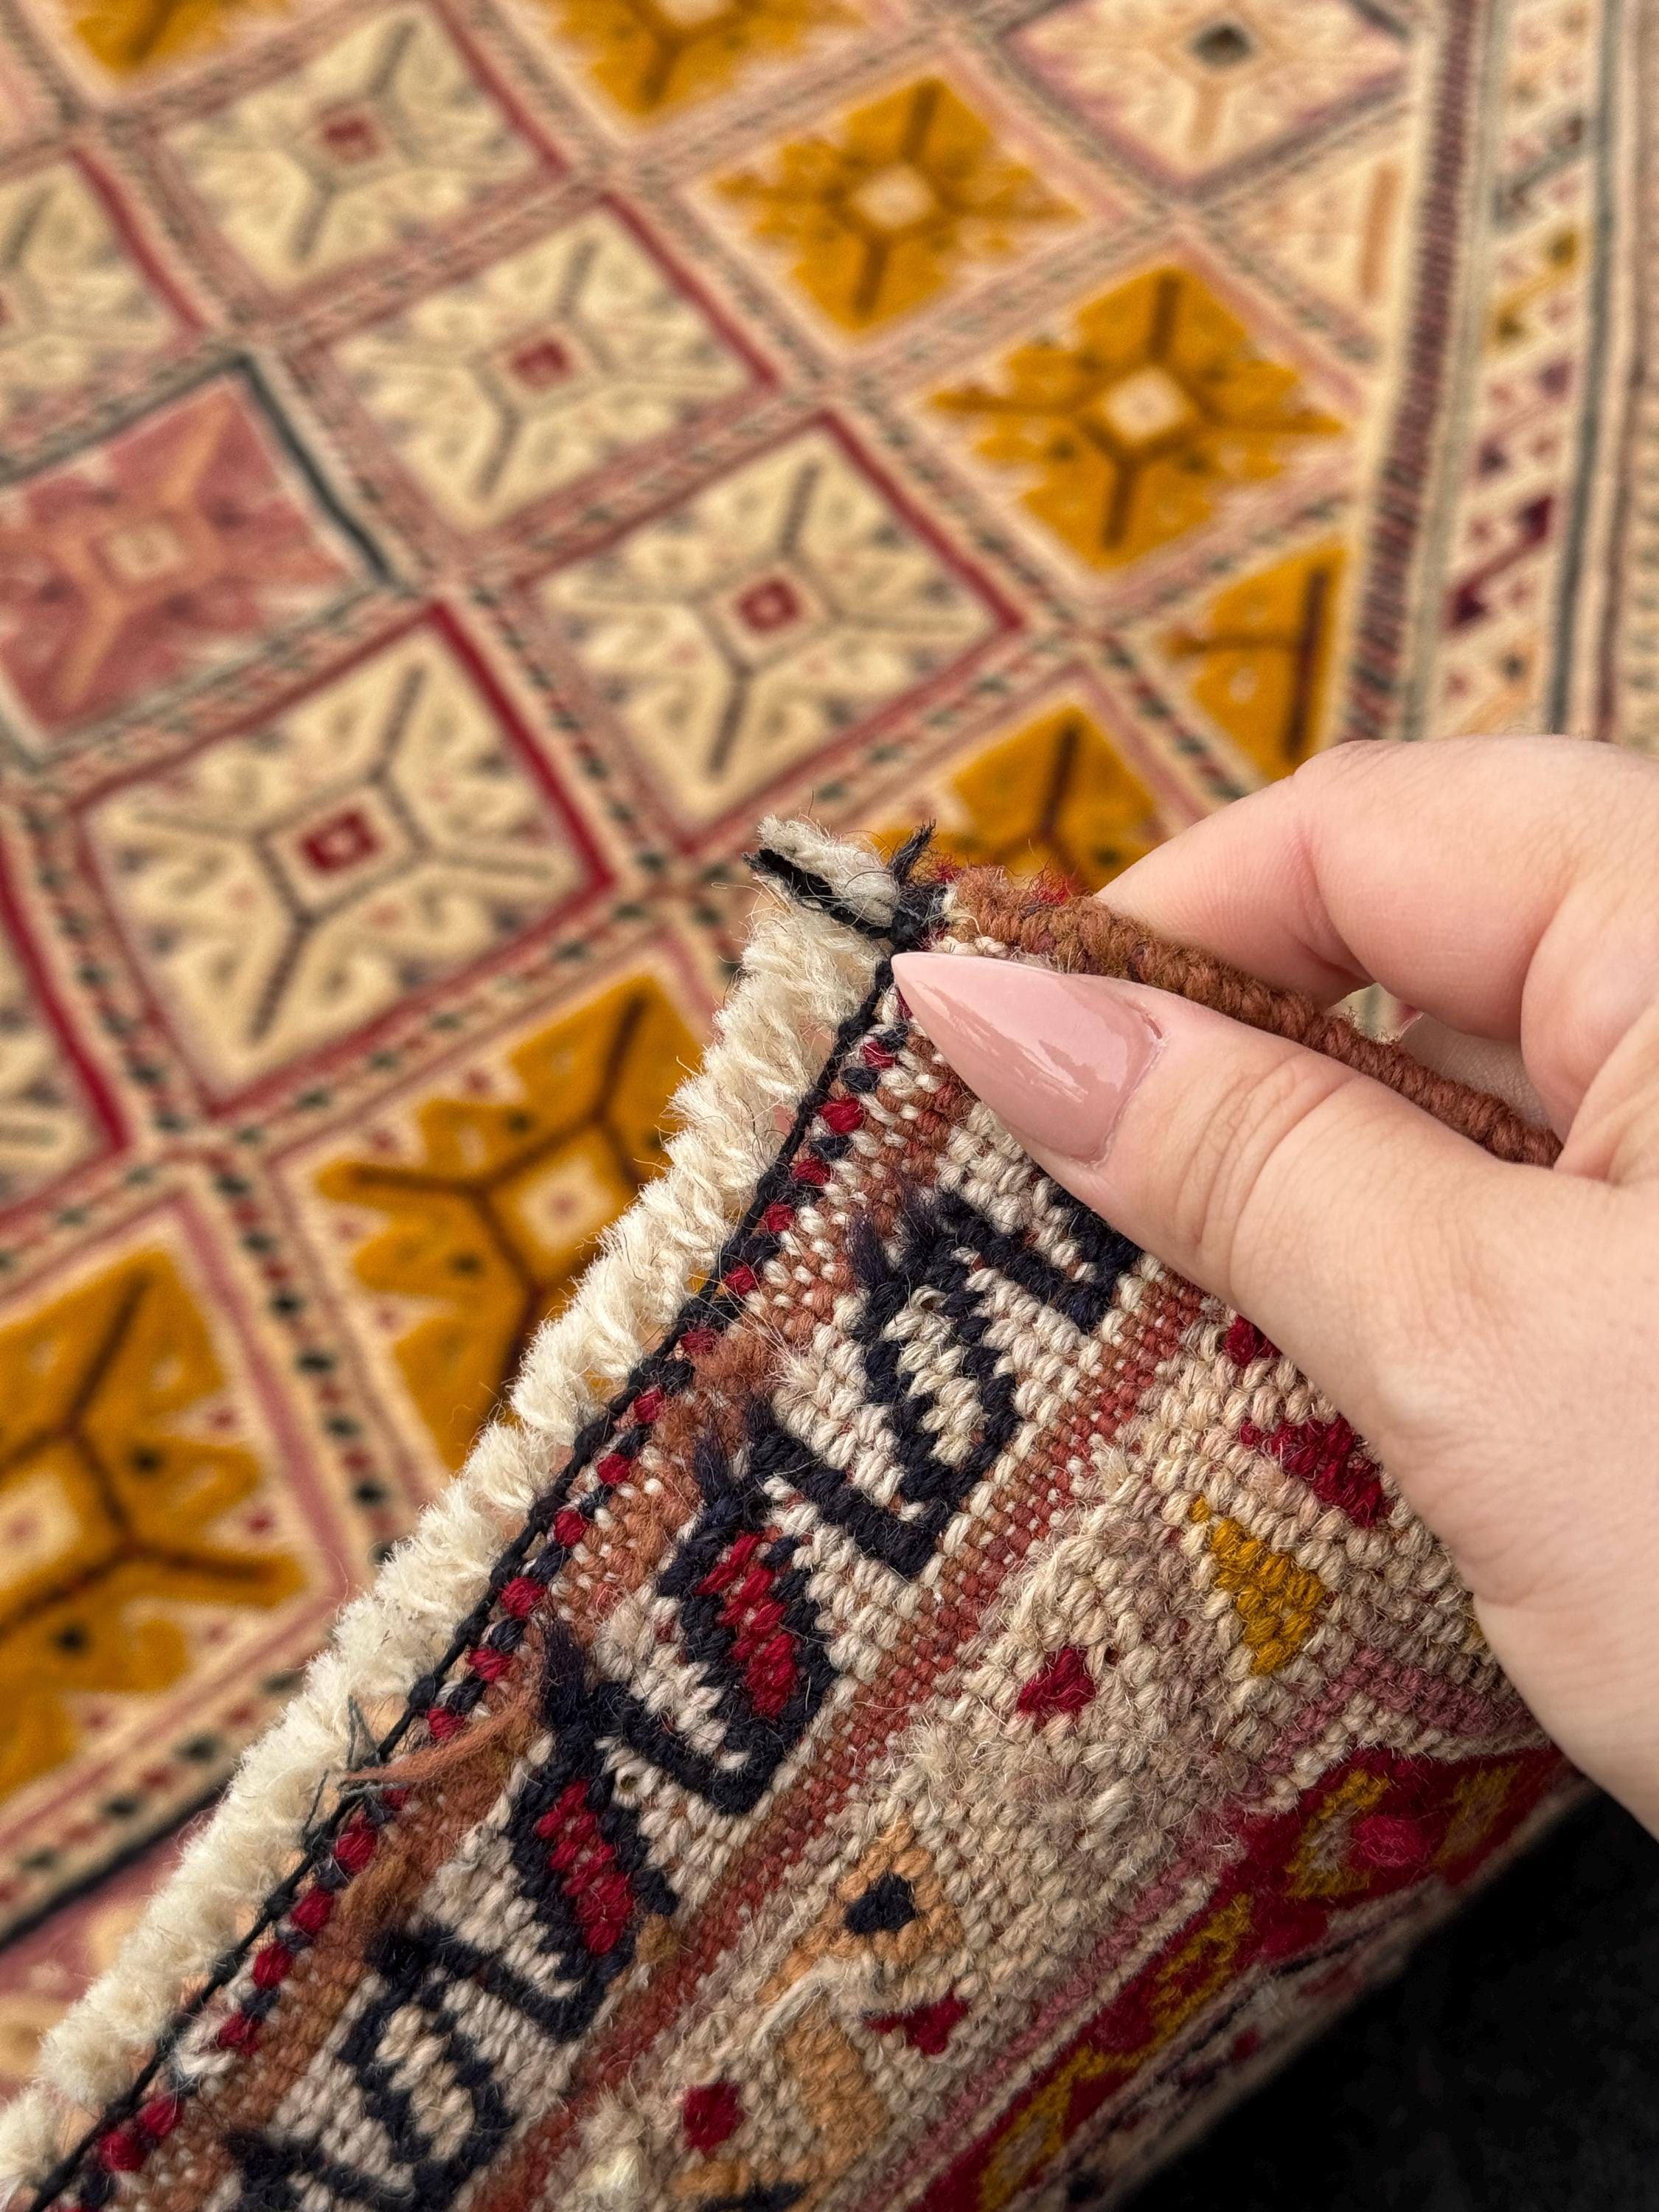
(1492, 1329)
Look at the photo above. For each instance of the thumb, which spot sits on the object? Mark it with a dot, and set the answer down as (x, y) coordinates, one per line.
(1362, 1235)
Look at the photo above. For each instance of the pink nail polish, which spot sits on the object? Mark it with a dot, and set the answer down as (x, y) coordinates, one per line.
(1054, 1056)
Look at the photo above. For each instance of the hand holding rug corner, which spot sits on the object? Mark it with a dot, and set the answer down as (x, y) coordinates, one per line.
(1488, 1324)
(963, 1709)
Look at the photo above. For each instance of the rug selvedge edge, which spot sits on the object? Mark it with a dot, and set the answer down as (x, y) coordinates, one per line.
(820, 959)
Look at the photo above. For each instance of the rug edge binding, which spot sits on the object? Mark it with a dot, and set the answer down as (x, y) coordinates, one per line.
(803, 972)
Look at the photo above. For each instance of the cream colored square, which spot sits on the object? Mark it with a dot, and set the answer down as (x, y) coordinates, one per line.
(387, 132)
(537, 369)
(73, 305)
(761, 620)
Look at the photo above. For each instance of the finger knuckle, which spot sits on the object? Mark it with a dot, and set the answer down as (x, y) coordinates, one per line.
(1453, 1328)
(1241, 1149)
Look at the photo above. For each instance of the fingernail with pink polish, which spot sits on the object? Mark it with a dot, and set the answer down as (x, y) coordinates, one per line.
(1054, 1056)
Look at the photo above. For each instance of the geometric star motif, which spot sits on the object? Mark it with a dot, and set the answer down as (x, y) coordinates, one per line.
(649, 55)
(483, 1228)
(1211, 86)
(285, 886)
(767, 617)
(1056, 794)
(111, 1479)
(389, 131)
(1261, 662)
(881, 215)
(179, 547)
(528, 375)
(1136, 426)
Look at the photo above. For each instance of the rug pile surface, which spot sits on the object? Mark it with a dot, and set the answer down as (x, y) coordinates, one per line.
(461, 461)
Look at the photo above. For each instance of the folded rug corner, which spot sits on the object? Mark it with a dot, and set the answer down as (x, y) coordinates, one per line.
(914, 1705)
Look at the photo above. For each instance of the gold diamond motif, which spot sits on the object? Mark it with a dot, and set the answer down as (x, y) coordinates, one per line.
(1138, 425)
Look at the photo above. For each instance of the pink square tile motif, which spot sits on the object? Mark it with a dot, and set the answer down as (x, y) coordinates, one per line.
(180, 547)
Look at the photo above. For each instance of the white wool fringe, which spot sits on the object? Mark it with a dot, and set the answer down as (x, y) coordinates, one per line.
(802, 973)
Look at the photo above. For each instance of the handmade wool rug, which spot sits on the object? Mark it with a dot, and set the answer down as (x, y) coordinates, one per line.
(461, 461)
(958, 1708)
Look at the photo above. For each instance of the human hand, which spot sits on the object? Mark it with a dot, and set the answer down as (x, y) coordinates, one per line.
(1491, 1329)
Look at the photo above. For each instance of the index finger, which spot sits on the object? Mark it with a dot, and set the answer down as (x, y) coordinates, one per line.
(1504, 884)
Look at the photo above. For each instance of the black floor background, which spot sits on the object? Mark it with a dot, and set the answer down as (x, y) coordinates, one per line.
(1513, 2067)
